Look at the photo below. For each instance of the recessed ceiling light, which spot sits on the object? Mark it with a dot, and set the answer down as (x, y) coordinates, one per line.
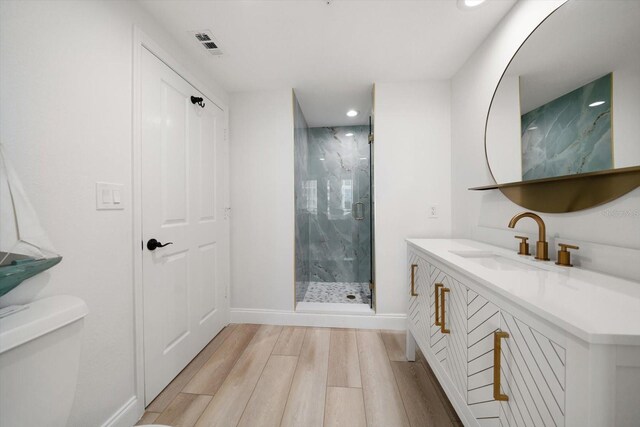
(469, 4)
(352, 113)
(348, 134)
(595, 104)
(533, 128)
(321, 158)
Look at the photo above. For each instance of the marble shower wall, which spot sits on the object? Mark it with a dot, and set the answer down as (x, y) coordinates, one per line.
(336, 192)
(301, 172)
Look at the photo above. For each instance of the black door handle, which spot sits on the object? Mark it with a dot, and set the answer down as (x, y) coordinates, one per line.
(153, 244)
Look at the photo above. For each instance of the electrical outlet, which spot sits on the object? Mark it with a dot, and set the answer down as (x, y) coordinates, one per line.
(433, 211)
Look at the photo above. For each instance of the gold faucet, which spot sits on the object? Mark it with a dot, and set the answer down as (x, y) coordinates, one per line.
(542, 247)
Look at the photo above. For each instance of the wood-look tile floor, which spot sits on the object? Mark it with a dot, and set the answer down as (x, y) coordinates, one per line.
(263, 375)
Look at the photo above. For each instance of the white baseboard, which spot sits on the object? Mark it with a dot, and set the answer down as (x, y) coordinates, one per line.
(326, 320)
(127, 415)
(334, 308)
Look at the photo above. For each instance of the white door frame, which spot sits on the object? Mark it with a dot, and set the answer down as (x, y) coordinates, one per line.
(142, 41)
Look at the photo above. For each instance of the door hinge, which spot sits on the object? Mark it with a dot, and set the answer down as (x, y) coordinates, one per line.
(370, 138)
(372, 285)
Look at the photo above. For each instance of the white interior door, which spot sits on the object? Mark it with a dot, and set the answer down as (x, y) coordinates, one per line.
(184, 185)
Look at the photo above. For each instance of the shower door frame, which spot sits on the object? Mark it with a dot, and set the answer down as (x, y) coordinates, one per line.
(372, 201)
(372, 282)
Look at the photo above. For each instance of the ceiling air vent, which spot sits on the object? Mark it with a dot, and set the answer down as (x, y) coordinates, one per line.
(206, 40)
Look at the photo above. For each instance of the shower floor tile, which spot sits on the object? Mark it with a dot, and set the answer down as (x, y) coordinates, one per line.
(336, 292)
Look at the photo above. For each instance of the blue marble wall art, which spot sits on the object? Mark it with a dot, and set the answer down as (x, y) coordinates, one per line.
(571, 134)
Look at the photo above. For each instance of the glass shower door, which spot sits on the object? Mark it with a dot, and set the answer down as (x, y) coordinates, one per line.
(363, 213)
(372, 239)
(340, 225)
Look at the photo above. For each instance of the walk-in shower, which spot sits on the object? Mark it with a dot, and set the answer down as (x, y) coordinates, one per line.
(334, 224)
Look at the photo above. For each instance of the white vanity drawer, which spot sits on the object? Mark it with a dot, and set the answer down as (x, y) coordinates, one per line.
(532, 371)
(447, 324)
(532, 375)
(483, 319)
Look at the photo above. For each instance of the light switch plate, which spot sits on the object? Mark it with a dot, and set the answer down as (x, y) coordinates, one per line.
(109, 196)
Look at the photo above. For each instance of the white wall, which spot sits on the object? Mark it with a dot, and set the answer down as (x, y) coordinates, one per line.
(262, 203)
(412, 172)
(626, 110)
(608, 235)
(65, 120)
(503, 130)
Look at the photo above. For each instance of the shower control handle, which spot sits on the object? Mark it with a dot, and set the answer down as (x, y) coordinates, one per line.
(153, 244)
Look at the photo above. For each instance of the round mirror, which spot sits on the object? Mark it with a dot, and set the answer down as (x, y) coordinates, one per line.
(569, 101)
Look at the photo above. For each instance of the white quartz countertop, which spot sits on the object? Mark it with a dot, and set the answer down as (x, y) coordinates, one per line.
(595, 307)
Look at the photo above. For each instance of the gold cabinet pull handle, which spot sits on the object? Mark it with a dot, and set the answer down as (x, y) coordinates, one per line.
(443, 328)
(497, 337)
(438, 286)
(414, 267)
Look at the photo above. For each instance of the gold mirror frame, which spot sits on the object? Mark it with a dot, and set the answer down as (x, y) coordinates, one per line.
(562, 194)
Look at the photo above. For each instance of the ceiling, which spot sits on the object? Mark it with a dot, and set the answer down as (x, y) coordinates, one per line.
(329, 106)
(327, 48)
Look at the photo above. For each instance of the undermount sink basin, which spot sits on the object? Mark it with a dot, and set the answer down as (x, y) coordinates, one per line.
(494, 261)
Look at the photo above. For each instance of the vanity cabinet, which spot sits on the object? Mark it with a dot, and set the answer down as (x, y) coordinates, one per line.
(502, 365)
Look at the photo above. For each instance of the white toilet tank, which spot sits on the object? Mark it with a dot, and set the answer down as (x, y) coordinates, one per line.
(39, 358)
